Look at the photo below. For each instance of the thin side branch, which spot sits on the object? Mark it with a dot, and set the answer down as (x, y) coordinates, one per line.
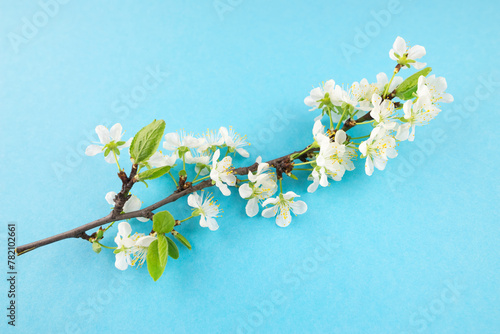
(282, 164)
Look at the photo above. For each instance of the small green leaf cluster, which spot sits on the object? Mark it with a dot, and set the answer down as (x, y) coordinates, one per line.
(163, 247)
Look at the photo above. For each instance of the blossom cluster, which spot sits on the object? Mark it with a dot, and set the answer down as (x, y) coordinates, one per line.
(389, 108)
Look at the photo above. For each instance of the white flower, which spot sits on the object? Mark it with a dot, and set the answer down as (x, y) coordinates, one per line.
(261, 185)
(130, 250)
(110, 139)
(382, 112)
(124, 246)
(332, 160)
(206, 208)
(340, 152)
(415, 114)
(221, 173)
(181, 143)
(336, 97)
(234, 141)
(282, 205)
(382, 80)
(351, 97)
(378, 149)
(140, 248)
(131, 205)
(318, 131)
(363, 91)
(329, 154)
(201, 160)
(211, 140)
(317, 94)
(431, 90)
(407, 56)
(158, 160)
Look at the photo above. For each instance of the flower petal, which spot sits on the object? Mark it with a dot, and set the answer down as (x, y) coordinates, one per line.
(224, 189)
(132, 204)
(290, 195)
(103, 134)
(403, 132)
(268, 201)
(270, 212)
(313, 186)
(116, 132)
(212, 224)
(93, 150)
(193, 200)
(223, 132)
(411, 137)
(110, 159)
(110, 198)
(369, 166)
(419, 65)
(124, 229)
(416, 52)
(215, 157)
(252, 207)
(245, 191)
(244, 153)
(284, 218)
(127, 144)
(172, 141)
(399, 46)
(145, 241)
(298, 207)
(121, 261)
(340, 137)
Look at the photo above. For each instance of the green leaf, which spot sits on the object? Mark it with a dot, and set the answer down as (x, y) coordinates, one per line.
(155, 267)
(173, 251)
(411, 81)
(163, 222)
(407, 95)
(182, 240)
(153, 173)
(163, 249)
(182, 173)
(146, 141)
(96, 247)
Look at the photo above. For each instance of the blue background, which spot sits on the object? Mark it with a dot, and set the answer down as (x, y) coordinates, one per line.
(372, 255)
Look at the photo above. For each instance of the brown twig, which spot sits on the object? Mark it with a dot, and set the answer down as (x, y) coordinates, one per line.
(282, 165)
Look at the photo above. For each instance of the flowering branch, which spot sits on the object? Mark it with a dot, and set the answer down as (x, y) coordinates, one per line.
(79, 232)
(328, 157)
